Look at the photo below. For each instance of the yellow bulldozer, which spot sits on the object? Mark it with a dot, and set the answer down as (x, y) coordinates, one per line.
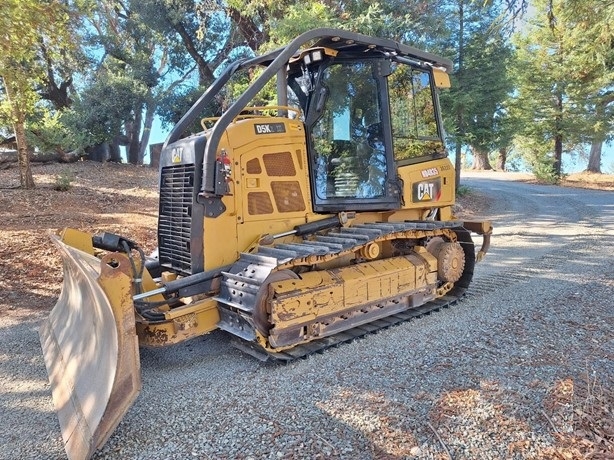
(294, 226)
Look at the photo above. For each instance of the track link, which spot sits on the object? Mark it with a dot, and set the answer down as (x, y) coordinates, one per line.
(244, 285)
(320, 345)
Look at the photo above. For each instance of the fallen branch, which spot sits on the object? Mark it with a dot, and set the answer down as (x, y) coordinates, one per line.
(9, 158)
(550, 422)
(440, 440)
(324, 440)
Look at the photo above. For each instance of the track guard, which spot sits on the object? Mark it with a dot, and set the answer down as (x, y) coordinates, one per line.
(90, 349)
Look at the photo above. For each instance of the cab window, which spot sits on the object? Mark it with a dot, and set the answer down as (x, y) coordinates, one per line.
(348, 142)
(412, 112)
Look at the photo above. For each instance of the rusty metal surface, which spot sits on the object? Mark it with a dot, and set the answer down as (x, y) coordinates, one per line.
(180, 324)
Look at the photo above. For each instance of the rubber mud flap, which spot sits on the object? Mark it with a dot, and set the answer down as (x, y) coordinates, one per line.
(90, 349)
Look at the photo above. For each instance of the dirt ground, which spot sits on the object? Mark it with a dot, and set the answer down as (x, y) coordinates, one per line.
(587, 180)
(102, 197)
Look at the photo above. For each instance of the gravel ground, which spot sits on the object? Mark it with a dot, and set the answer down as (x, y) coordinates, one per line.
(492, 377)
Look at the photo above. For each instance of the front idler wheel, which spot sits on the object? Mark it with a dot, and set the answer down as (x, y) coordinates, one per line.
(450, 259)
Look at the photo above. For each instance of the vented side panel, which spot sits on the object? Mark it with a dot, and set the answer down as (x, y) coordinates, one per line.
(253, 166)
(288, 196)
(259, 203)
(175, 217)
(279, 164)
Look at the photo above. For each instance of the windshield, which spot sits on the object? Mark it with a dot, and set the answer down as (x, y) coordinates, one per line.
(365, 117)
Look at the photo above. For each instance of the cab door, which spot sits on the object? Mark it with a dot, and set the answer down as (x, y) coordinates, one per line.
(351, 163)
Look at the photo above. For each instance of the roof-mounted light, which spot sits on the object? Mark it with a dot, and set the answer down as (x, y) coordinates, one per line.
(317, 55)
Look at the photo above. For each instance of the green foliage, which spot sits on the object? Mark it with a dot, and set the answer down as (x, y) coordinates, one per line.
(541, 80)
(32, 32)
(564, 73)
(135, 57)
(105, 105)
(544, 172)
(539, 159)
(515, 163)
(63, 181)
(417, 23)
(141, 59)
(463, 190)
(475, 108)
(300, 18)
(55, 132)
(588, 39)
(173, 105)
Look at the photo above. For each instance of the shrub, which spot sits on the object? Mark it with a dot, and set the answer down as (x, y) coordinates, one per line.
(63, 181)
(462, 190)
(544, 172)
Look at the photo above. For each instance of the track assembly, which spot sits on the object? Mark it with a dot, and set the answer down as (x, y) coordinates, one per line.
(259, 295)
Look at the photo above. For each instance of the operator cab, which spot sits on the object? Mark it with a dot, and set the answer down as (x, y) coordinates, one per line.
(369, 105)
(367, 113)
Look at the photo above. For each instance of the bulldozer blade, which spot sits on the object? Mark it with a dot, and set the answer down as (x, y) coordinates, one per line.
(90, 349)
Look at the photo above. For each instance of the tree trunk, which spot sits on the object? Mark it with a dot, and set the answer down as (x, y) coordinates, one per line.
(594, 160)
(205, 74)
(558, 154)
(10, 158)
(133, 131)
(149, 116)
(98, 152)
(58, 95)
(19, 126)
(558, 137)
(480, 160)
(25, 171)
(252, 33)
(115, 153)
(458, 164)
(601, 113)
(459, 112)
(501, 159)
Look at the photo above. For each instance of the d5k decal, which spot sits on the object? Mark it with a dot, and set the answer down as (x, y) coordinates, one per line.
(269, 128)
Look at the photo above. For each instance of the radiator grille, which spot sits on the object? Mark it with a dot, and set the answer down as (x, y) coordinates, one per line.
(175, 217)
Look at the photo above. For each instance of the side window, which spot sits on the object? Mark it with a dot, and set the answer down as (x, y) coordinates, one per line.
(412, 110)
(348, 138)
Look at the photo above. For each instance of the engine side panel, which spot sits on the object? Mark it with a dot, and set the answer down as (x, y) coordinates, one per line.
(269, 187)
(428, 185)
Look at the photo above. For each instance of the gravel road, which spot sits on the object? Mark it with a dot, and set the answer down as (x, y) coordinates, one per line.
(481, 380)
